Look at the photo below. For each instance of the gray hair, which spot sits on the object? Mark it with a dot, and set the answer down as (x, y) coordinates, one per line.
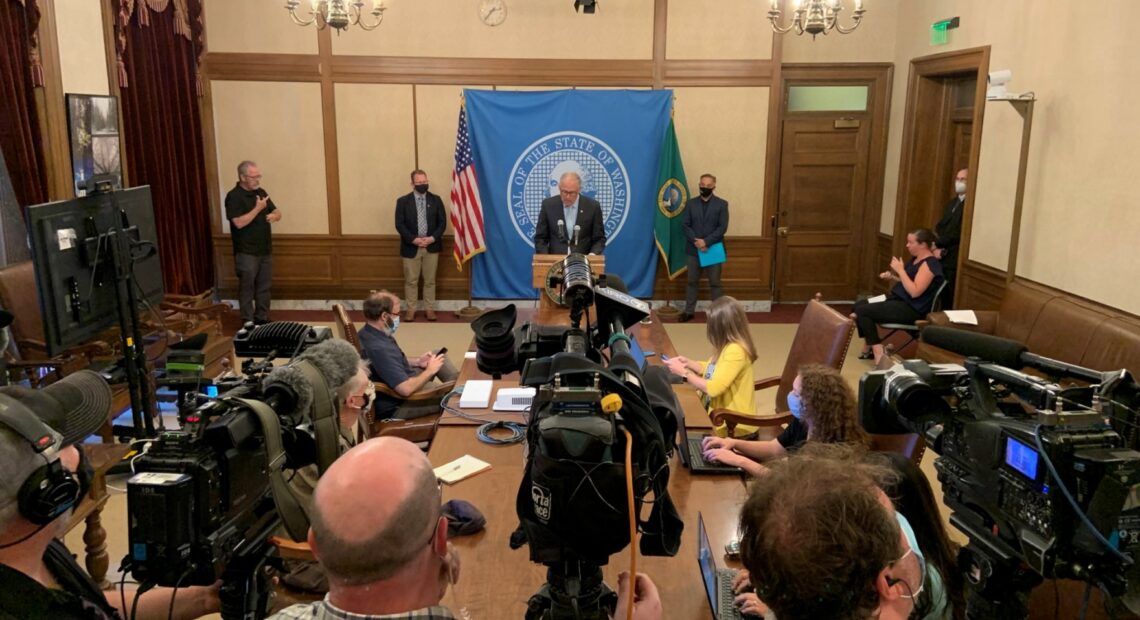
(354, 383)
(243, 167)
(571, 174)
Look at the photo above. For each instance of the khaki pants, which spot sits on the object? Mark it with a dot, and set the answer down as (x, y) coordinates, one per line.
(424, 263)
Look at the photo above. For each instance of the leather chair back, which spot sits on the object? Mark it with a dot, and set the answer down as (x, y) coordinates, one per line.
(345, 328)
(910, 445)
(822, 337)
(19, 296)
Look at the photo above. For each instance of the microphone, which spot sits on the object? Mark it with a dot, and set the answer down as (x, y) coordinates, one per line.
(1001, 351)
(577, 229)
(336, 360)
(561, 230)
(1005, 352)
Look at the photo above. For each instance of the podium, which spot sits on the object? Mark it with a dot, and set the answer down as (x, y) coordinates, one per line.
(541, 264)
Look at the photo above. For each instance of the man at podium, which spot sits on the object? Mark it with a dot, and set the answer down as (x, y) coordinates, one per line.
(570, 220)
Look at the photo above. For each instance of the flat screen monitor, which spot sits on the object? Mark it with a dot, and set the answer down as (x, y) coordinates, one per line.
(73, 258)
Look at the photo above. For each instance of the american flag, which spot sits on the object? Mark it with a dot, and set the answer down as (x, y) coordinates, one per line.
(466, 206)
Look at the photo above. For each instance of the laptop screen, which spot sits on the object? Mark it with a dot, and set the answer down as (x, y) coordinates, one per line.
(707, 563)
(637, 353)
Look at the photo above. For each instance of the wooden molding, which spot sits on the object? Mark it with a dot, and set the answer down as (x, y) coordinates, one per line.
(52, 109)
(514, 71)
(883, 256)
(328, 119)
(262, 67)
(348, 266)
(719, 72)
(660, 38)
(979, 287)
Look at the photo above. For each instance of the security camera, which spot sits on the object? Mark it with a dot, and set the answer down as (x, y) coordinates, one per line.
(996, 81)
(587, 6)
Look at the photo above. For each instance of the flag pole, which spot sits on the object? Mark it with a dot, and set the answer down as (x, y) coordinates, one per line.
(470, 311)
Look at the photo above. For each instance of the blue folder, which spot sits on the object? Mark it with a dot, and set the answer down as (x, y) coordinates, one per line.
(714, 255)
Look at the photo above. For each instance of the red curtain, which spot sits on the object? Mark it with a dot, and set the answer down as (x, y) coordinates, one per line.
(20, 137)
(162, 137)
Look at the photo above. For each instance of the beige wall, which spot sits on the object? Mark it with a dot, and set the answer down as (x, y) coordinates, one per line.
(1077, 211)
(724, 29)
(255, 26)
(620, 29)
(872, 41)
(82, 52)
(278, 125)
(724, 131)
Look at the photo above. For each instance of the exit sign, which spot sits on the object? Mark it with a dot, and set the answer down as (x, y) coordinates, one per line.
(939, 30)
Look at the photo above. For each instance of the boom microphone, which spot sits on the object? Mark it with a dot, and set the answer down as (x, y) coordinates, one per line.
(1001, 351)
(336, 360)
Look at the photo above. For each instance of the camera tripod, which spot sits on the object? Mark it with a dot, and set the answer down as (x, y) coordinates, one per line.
(573, 591)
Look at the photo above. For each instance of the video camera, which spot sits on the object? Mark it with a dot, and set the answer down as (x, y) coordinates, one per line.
(1043, 479)
(204, 500)
(588, 416)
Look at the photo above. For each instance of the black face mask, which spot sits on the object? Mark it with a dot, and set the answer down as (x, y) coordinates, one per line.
(421, 188)
(706, 192)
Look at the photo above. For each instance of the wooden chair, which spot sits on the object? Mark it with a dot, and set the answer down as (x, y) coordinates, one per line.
(910, 445)
(420, 430)
(822, 337)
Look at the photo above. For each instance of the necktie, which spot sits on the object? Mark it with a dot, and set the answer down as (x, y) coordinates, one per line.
(421, 215)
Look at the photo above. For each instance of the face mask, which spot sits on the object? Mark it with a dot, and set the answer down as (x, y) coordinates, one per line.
(911, 542)
(421, 188)
(959, 187)
(706, 192)
(795, 405)
(393, 323)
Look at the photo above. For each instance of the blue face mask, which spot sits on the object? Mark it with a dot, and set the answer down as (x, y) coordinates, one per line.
(795, 405)
(913, 544)
(394, 324)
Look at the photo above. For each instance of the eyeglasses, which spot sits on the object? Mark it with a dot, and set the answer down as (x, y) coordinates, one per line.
(254, 177)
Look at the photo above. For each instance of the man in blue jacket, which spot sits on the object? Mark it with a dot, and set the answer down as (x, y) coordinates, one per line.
(420, 220)
(706, 220)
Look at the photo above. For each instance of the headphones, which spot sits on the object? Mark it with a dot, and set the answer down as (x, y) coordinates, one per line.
(50, 490)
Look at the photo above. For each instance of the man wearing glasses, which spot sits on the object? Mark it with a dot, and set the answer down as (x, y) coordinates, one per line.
(250, 212)
(574, 210)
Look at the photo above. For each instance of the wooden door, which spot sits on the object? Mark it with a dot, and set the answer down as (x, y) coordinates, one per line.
(822, 199)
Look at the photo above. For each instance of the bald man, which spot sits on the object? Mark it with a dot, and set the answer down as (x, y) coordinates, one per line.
(395, 562)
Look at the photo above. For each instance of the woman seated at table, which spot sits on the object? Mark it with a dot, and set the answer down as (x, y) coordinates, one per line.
(916, 283)
(726, 378)
(822, 405)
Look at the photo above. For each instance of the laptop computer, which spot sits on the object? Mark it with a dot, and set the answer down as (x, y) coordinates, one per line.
(692, 454)
(718, 581)
(638, 353)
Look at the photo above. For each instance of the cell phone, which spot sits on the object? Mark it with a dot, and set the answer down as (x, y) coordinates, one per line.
(664, 358)
(732, 550)
(441, 351)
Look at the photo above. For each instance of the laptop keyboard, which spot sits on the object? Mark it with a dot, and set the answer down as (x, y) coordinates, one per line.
(727, 609)
(696, 453)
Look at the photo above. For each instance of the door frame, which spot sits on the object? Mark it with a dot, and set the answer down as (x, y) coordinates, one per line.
(923, 81)
(878, 78)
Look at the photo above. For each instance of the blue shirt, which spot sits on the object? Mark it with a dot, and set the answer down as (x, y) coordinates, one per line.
(389, 366)
(571, 216)
(925, 301)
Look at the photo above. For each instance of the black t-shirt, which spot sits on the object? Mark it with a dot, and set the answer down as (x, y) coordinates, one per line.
(793, 436)
(256, 238)
(77, 597)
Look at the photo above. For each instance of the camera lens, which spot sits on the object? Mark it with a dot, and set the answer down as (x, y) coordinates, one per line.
(495, 340)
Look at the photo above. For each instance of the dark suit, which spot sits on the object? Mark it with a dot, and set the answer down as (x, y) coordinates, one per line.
(419, 260)
(708, 221)
(949, 233)
(592, 234)
(406, 223)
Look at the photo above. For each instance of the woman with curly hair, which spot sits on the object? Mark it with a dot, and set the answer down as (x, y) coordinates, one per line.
(822, 405)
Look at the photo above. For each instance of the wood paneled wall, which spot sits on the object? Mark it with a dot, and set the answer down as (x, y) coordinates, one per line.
(340, 265)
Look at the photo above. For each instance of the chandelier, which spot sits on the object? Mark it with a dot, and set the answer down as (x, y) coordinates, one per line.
(338, 14)
(817, 17)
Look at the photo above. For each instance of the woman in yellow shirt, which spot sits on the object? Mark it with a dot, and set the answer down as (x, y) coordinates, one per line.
(726, 378)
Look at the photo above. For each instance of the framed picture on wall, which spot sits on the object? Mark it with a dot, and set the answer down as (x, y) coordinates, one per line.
(93, 131)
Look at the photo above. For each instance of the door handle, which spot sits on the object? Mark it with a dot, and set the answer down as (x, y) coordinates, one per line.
(782, 231)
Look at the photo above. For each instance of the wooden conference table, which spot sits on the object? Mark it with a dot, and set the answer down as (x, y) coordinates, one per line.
(496, 581)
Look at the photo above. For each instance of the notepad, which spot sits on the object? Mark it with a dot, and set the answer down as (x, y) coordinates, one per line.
(876, 299)
(714, 255)
(461, 468)
(964, 317)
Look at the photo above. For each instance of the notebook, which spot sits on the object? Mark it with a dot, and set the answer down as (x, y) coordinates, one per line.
(718, 581)
(714, 255)
(460, 469)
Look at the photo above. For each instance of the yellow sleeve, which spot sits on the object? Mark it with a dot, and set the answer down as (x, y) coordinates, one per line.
(731, 362)
(704, 368)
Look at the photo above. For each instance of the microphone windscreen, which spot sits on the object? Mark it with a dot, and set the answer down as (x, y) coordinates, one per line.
(1001, 351)
(294, 383)
(337, 360)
